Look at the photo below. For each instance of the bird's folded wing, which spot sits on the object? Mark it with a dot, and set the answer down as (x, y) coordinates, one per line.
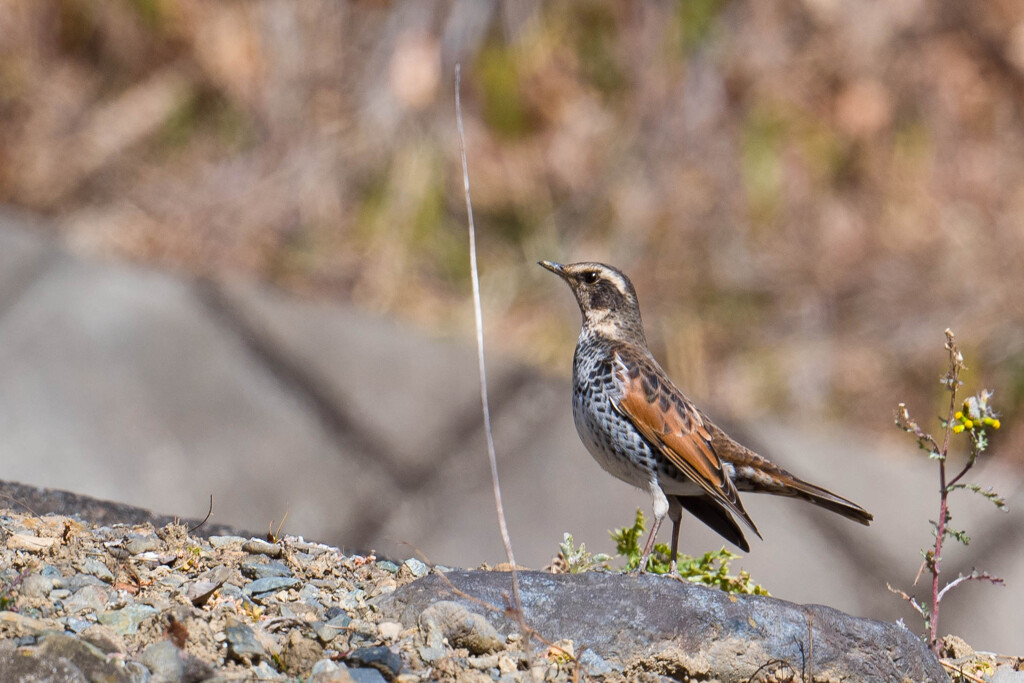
(674, 427)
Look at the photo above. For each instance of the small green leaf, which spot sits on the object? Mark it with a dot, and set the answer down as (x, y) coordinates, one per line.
(958, 535)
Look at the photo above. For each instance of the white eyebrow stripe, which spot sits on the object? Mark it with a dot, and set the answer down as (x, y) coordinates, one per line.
(619, 283)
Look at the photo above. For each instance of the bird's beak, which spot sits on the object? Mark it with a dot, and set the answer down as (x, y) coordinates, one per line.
(556, 268)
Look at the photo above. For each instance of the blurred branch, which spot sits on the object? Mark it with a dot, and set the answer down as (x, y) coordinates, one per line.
(113, 127)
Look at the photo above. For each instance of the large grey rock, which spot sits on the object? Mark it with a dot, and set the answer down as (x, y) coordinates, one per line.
(676, 628)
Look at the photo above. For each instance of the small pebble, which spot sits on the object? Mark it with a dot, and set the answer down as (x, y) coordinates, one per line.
(172, 581)
(37, 585)
(389, 630)
(472, 676)
(326, 633)
(158, 601)
(483, 662)
(142, 543)
(271, 584)
(73, 583)
(352, 599)
(255, 569)
(88, 599)
(309, 594)
(126, 620)
(506, 664)
(265, 672)
(385, 586)
(163, 660)
(21, 623)
(96, 568)
(77, 624)
(226, 541)
(300, 653)
(431, 653)
(361, 627)
(380, 658)
(242, 642)
(256, 546)
(342, 620)
(104, 638)
(418, 568)
(50, 571)
(327, 671)
(230, 590)
(450, 620)
(30, 543)
(367, 676)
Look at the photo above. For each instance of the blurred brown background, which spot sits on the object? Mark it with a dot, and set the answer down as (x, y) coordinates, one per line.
(806, 193)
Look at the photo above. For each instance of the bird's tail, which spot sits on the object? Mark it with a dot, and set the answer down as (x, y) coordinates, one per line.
(828, 500)
(771, 478)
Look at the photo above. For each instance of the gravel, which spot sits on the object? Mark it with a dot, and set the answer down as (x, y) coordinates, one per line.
(138, 604)
(134, 603)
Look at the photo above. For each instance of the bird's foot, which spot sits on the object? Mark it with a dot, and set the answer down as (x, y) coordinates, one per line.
(640, 568)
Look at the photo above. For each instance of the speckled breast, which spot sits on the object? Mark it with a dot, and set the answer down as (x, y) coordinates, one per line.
(611, 438)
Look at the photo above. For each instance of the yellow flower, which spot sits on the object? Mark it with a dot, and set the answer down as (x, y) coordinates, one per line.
(959, 415)
(968, 424)
(957, 429)
(995, 424)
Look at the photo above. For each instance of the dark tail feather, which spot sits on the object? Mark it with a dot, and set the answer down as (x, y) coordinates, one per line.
(716, 517)
(830, 501)
(785, 484)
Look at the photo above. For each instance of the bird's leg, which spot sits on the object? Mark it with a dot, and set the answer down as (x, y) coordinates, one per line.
(675, 513)
(661, 507)
(649, 546)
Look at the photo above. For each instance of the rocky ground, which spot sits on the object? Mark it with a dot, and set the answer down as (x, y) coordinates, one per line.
(133, 602)
(138, 603)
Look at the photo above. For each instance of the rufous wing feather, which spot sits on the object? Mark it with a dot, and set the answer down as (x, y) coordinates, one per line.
(670, 424)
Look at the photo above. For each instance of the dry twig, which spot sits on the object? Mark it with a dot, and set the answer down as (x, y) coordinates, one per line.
(478, 311)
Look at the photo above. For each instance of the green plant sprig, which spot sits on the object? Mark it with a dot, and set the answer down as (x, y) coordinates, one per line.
(710, 569)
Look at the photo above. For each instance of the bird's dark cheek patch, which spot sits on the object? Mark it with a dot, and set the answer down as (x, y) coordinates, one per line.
(605, 297)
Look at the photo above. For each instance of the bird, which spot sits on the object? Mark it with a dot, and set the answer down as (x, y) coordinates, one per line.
(643, 430)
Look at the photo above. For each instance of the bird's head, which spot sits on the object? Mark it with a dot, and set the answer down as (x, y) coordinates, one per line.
(606, 298)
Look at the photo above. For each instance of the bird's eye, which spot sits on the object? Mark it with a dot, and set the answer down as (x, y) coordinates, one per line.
(590, 277)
